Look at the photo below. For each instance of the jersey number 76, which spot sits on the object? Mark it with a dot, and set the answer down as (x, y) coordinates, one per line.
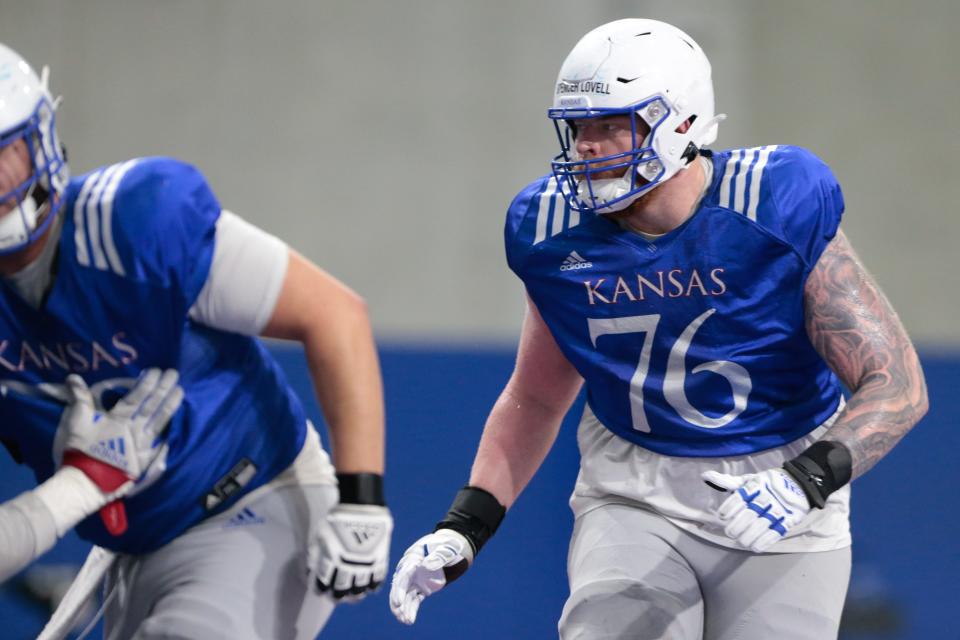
(676, 373)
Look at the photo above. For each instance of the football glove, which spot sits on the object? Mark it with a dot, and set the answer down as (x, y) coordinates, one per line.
(350, 549)
(117, 448)
(427, 566)
(762, 508)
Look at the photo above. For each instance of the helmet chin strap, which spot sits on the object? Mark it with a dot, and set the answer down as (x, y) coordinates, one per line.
(17, 224)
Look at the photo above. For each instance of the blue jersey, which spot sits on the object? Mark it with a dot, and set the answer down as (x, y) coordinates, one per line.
(692, 344)
(134, 253)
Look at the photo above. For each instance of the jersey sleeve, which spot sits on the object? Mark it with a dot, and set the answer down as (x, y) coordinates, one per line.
(806, 201)
(245, 278)
(529, 219)
(163, 221)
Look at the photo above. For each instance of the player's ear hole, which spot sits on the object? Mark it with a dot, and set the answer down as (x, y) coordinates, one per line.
(686, 124)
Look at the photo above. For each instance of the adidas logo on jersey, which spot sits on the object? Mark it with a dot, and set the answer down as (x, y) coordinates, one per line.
(575, 261)
(112, 451)
(244, 518)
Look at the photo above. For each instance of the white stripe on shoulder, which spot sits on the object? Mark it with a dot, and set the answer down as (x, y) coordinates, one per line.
(106, 216)
(740, 187)
(80, 233)
(553, 202)
(728, 172)
(756, 176)
(559, 212)
(740, 181)
(546, 202)
(93, 220)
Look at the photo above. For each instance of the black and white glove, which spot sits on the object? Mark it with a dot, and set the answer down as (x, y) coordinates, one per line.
(120, 447)
(349, 550)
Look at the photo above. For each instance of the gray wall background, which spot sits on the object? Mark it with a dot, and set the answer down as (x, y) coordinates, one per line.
(385, 139)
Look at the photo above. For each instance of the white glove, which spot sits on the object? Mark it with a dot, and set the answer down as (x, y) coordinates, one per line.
(350, 549)
(425, 568)
(117, 448)
(763, 507)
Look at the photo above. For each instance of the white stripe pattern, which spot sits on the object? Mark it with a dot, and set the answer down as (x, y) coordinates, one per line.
(93, 218)
(740, 182)
(552, 201)
(80, 234)
(728, 173)
(106, 213)
(559, 208)
(546, 200)
(755, 180)
(744, 166)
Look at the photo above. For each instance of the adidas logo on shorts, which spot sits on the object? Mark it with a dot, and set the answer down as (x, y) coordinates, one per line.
(244, 518)
(575, 261)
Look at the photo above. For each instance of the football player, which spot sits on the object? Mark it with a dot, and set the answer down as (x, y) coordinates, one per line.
(136, 266)
(712, 308)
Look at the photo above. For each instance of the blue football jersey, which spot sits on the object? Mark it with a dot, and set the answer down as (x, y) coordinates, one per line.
(692, 344)
(135, 251)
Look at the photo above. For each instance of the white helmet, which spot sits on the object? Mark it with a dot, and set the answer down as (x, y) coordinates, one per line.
(27, 113)
(632, 67)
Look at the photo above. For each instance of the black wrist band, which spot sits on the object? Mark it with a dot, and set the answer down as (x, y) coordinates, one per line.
(475, 514)
(821, 469)
(361, 488)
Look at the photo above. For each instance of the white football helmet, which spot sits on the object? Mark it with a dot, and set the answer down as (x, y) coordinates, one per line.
(640, 68)
(27, 113)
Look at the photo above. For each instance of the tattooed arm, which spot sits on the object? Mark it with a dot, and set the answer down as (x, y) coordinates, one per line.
(856, 331)
(858, 334)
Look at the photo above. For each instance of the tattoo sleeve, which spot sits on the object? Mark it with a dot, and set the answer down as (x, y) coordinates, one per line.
(856, 331)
